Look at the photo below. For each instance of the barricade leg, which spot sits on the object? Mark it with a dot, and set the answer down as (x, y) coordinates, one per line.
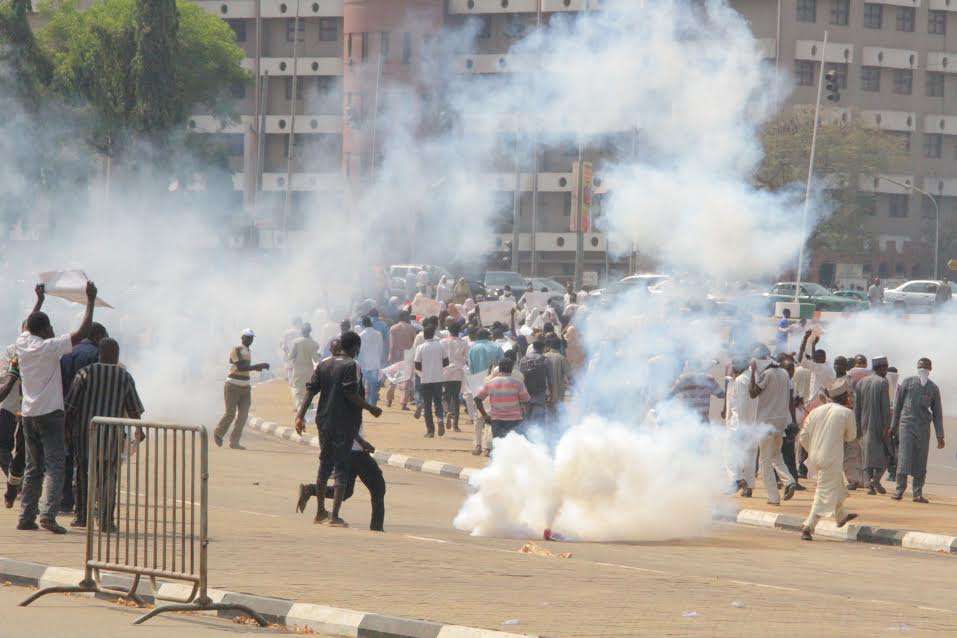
(202, 605)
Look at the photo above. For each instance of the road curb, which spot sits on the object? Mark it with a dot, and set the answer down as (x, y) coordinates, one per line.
(438, 468)
(906, 539)
(324, 620)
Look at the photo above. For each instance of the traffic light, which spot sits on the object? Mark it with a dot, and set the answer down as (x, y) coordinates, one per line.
(830, 82)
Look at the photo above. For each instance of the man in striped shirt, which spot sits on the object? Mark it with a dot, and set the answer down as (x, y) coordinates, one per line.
(505, 396)
(100, 389)
(696, 387)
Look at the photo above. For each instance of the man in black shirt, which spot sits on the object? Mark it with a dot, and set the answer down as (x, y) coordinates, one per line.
(338, 382)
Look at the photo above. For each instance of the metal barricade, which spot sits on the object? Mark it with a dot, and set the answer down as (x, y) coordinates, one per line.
(141, 512)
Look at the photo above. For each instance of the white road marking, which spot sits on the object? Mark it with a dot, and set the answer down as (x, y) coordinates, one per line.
(426, 538)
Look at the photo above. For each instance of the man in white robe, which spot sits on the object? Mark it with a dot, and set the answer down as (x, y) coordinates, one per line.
(302, 360)
(285, 346)
(824, 434)
(741, 415)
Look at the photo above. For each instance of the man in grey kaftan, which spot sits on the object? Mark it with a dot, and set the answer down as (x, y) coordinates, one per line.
(872, 409)
(916, 407)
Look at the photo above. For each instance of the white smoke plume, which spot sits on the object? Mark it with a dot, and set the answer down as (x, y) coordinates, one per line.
(690, 77)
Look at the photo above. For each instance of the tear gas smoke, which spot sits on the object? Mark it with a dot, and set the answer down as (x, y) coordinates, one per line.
(690, 77)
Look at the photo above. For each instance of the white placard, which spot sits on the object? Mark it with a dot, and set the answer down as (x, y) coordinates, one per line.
(69, 285)
(493, 311)
(536, 300)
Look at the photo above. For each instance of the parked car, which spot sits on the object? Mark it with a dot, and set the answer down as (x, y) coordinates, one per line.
(632, 282)
(496, 280)
(476, 290)
(556, 291)
(919, 295)
(812, 293)
(860, 295)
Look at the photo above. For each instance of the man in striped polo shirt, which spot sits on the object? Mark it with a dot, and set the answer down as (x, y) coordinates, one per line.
(100, 389)
(505, 396)
(238, 391)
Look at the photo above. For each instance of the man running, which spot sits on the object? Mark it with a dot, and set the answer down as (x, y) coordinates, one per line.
(338, 382)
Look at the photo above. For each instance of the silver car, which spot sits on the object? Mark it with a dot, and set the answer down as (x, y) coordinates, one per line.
(919, 295)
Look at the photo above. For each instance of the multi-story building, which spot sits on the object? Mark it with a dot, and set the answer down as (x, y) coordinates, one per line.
(895, 63)
(894, 60)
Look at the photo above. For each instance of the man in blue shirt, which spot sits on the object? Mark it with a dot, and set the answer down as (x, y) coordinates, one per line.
(483, 354)
(383, 329)
(84, 353)
(783, 329)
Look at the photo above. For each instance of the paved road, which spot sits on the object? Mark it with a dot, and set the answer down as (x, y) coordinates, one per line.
(737, 582)
(84, 617)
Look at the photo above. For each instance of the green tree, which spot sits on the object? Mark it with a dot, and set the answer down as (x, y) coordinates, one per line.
(157, 24)
(139, 69)
(19, 50)
(846, 151)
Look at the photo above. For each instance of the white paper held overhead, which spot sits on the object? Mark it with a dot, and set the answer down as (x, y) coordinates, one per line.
(69, 285)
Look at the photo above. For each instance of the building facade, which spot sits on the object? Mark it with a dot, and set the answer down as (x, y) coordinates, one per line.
(894, 60)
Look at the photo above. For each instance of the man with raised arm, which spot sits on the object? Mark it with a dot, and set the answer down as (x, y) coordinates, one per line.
(38, 352)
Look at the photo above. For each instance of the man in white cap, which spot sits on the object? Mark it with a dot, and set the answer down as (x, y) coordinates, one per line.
(238, 391)
(826, 430)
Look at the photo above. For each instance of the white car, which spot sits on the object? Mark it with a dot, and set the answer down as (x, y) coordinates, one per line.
(920, 294)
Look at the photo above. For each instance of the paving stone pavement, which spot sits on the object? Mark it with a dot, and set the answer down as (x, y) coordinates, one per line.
(739, 581)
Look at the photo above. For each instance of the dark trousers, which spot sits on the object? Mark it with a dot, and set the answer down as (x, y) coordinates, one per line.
(334, 456)
(501, 428)
(452, 394)
(12, 458)
(67, 501)
(363, 466)
(431, 396)
(367, 470)
(789, 453)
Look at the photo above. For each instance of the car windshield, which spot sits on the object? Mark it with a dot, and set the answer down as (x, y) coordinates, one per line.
(813, 290)
(551, 284)
(504, 278)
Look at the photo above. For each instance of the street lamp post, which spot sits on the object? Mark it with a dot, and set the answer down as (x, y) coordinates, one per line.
(936, 217)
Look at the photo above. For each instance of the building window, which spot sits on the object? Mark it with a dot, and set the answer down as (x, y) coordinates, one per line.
(905, 19)
(935, 84)
(904, 138)
(239, 28)
(840, 71)
(234, 145)
(807, 10)
(927, 208)
(898, 205)
(364, 51)
(804, 73)
(903, 81)
(873, 15)
(933, 145)
(870, 78)
(840, 12)
(328, 29)
(867, 203)
(937, 22)
(238, 90)
(299, 90)
(385, 39)
(291, 28)
(515, 27)
(485, 27)
(406, 48)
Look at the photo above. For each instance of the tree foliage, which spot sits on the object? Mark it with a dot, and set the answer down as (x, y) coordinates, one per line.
(141, 68)
(846, 151)
(157, 25)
